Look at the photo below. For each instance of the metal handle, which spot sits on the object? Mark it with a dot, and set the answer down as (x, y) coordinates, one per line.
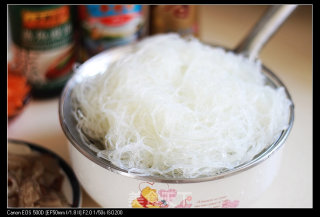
(264, 29)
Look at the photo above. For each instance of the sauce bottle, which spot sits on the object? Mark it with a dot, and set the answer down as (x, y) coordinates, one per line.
(43, 46)
(106, 26)
(174, 18)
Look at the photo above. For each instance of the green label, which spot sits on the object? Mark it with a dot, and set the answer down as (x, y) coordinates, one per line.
(47, 39)
(41, 27)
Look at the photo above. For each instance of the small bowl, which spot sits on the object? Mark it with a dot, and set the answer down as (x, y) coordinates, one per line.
(70, 186)
(25, 102)
(25, 99)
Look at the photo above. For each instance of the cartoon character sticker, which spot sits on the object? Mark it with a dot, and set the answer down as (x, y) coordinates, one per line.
(159, 195)
(148, 199)
(165, 197)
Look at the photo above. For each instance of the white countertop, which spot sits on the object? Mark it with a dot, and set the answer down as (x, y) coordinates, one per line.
(288, 54)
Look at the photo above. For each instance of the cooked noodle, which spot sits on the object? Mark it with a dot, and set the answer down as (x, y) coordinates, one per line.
(178, 108)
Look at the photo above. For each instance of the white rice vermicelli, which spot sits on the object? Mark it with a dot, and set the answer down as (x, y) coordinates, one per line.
(178, 108)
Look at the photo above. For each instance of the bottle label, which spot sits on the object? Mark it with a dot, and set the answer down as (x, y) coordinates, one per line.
(174, 18)
(106, 26)
(43, 44)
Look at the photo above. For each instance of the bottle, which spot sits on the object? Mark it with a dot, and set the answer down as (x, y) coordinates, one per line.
(107, 26)
(43, 46)
(174, 18)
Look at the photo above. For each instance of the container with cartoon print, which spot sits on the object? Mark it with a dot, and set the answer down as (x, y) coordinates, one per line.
(112, 186)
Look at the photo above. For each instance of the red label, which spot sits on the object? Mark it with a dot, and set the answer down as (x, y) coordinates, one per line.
(116, 20)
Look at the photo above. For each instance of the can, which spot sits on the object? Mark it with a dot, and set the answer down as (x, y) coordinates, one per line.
(174, 18)
(43, 45)
(107, 26)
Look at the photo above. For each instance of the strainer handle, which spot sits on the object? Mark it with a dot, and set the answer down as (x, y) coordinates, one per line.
(264, 29)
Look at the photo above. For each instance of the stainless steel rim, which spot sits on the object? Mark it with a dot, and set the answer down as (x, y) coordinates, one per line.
(71, 133)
